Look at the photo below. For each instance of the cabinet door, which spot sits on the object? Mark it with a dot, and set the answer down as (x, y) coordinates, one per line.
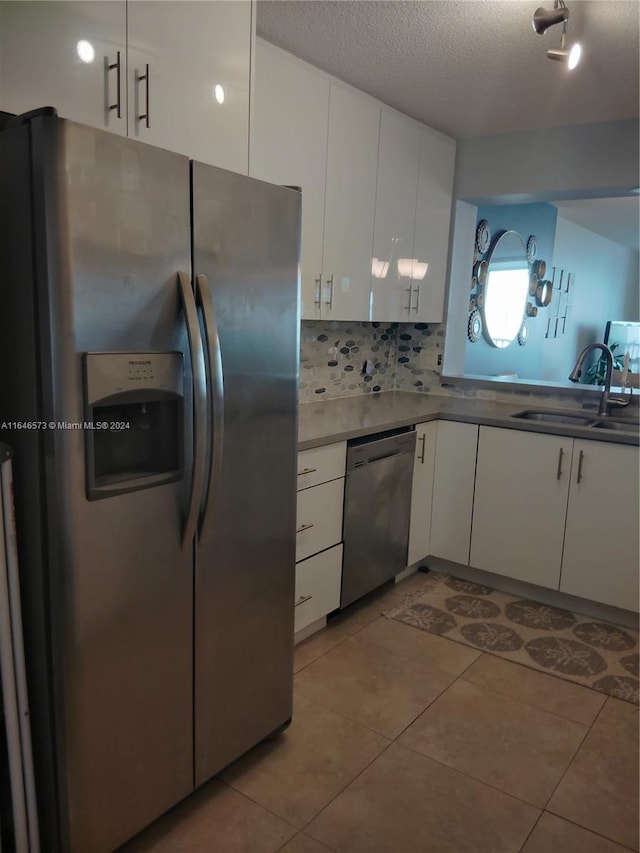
(433, 214)
(454, 476)
(522, 483)
(289, 146)
(422, 492)
(58, 54)
(392, 265)
(601, 559)
(191, 48)
(350, 199)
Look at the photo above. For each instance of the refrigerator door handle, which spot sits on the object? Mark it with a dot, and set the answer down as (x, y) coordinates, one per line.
(216, 401)
(199, 406)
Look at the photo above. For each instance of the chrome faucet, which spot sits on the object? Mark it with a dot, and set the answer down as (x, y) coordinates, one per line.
(606, 399)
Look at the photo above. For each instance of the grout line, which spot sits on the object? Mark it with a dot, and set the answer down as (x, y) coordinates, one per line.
(575, 754)
(346, 787)
(593, 831)
(472, 778)
(532, 830)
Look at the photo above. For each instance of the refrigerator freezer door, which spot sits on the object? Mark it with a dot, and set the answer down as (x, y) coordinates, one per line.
(246, 243)
(120, 586)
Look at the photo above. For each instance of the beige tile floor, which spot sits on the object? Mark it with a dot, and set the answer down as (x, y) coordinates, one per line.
(405, 742)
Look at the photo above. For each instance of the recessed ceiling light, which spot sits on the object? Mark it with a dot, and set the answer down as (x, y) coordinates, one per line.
(219, 93)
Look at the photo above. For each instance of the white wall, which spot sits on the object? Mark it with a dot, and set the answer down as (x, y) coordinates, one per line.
(605, 288)
(582, 161)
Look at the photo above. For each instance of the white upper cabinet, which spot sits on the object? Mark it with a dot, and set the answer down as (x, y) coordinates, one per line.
(395, 212)
(350, 200)
(600, 559)
(90, 61)
(195, 99)
(67, 55)
(289, 146)
(522, 483)
(432, 220)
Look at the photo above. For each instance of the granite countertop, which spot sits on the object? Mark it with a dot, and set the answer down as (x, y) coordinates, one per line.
(338, 419)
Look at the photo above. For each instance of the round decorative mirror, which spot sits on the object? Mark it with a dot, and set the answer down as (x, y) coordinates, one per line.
(506, 289)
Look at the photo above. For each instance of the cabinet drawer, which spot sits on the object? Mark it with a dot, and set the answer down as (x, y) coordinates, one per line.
(321, 464)
(317, 586)
(319, 518)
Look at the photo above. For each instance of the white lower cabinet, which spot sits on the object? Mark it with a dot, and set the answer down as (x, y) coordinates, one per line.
(453, 480)
(422, 492)
(558, 512)
(522, 483)
(317, 586)
(319, 533)
(600, 559)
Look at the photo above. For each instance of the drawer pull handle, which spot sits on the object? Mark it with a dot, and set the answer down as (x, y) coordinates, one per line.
(560, 455)
(302, 600)
(304, 527)
(306, 471)
(423, 439)
(580, 460)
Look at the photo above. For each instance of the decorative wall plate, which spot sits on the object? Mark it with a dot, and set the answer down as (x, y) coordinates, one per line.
(533, 284)
(532, 248)
(540, 268)
(523, 334)
(483, 236)
(474, 326)
(544, 292)
(480, 271)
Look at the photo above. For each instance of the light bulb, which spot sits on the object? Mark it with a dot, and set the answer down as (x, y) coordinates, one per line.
(219, 93)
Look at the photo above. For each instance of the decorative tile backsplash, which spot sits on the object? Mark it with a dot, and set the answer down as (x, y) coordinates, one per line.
(341, 359)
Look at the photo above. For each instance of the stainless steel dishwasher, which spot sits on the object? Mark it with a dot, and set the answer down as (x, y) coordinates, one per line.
(376, 511)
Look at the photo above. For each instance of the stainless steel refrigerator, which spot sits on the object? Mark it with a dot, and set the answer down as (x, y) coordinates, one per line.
(149, 368)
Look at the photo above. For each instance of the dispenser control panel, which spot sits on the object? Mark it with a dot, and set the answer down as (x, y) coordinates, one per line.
(111, 373)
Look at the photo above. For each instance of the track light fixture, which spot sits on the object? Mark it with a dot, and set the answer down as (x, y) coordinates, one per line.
(545, 18)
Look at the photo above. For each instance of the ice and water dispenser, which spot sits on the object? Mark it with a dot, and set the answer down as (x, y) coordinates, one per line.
(134, 408)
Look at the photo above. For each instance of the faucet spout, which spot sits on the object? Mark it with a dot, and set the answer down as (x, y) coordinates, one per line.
(575, 374)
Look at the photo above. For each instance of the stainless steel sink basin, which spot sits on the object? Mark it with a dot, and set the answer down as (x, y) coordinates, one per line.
(620, 426)
(554, 418)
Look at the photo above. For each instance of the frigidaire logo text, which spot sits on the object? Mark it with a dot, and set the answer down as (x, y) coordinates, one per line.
(141, 361)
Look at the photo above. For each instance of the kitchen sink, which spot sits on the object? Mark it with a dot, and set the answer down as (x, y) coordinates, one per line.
(554, 418)
(621, 426)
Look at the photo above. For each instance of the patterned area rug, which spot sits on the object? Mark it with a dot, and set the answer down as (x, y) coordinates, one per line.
(577, 648)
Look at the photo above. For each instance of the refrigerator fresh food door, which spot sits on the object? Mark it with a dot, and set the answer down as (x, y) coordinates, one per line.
(112, 228)
(246, 262)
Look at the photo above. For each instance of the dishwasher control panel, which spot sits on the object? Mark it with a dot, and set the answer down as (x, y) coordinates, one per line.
(371, 448)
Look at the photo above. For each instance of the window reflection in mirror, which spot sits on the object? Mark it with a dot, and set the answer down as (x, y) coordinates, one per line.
(506, 289)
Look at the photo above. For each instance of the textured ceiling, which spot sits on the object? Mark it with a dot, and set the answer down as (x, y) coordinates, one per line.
(468, 68)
